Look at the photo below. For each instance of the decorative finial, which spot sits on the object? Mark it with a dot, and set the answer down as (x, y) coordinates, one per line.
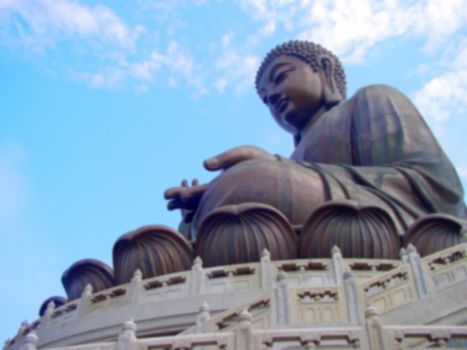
(50, 308)
(127, 335)
(129, 326)
(245, 315)
(335, 250)
(204, 307)
(371, 311)
(265, 255)
(202, 319)
(87, 290)
(22, 328)
(402, 252)
(197, 263)
(137, 276)
(411, 248)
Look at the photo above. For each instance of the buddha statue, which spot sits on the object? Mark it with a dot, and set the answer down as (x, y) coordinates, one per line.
(364, 171)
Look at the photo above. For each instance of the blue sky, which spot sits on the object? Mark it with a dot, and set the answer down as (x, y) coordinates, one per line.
(105, 104)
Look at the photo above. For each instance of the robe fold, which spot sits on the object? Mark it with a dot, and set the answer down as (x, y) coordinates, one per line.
(377, 142)
(374, 149)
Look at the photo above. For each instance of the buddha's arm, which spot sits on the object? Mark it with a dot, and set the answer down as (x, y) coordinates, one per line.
(395, 154)
(234, 156)
(187, 198)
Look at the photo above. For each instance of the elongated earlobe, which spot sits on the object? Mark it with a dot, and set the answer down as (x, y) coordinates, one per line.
(331, 93)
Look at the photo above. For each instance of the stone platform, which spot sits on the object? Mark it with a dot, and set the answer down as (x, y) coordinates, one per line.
(331, 303)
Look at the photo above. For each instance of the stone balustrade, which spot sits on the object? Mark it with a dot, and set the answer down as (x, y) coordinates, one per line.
(371, 335)
(278, 294)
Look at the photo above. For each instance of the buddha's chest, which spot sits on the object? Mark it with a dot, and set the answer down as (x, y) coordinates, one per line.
(329, 140)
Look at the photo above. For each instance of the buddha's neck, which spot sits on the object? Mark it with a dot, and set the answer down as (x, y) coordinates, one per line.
(313, 120)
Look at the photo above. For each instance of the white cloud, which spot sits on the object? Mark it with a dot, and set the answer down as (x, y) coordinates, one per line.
(234, 66)
(462, 171)
(351, 27)
(119, 56)
(174, 66)
(445, 95)
(108, 78)
(41, 23)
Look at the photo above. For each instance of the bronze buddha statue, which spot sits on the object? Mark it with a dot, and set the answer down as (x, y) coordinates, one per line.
(366, 164)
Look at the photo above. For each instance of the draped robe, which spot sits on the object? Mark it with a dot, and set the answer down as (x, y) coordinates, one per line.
(374, 148)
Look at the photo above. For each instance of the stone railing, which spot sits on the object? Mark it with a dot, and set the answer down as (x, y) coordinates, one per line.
(220, 279)
(296, 292)
(370, 335)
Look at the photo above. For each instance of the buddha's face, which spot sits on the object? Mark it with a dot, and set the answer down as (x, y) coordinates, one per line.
(292, 91)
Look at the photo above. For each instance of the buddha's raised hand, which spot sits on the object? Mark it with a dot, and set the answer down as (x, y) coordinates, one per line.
(185, 197)
(234, 156)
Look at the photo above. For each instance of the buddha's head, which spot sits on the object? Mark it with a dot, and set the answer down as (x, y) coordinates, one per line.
(298, 80)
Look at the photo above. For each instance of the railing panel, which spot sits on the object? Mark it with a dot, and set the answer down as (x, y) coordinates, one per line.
(391, 290)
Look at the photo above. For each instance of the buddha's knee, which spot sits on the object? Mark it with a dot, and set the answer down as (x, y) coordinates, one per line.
(285, 185)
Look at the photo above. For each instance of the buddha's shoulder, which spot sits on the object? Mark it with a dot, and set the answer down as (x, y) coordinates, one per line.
(377, 91)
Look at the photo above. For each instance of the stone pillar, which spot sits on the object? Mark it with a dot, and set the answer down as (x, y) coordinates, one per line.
(353, 301)
(403, 255)
(282, 300)
(49, 311)
(338, 264)
(244, 338)
(29, 342)
(202, 319)
(266, 270)
(197, 278)
(422, 280)
(377, 339)
(85, 300)
(23, 327)
(127, 338)
(136, 287)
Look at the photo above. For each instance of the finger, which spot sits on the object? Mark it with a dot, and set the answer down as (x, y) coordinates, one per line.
(227, 159)
(184, 183)
(189, 194)
(172, 192)
(173, 204)
(194, 182)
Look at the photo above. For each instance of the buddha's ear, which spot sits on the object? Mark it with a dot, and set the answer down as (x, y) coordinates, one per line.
(332, 96)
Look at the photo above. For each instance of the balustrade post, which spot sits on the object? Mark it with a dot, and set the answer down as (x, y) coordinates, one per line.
(282, 300)
(377, 338)
(127, 338)
(49, 311)
(136, 287)
(422, 279)
(404, 256)
(202, 319)
(266, 270)
(244, 338)
(23, 327)
(85, 300)
(197, 277)
(353, 301)
(338, 264)
(30, 341)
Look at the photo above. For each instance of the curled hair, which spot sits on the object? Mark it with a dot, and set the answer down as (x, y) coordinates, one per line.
(308, 52)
